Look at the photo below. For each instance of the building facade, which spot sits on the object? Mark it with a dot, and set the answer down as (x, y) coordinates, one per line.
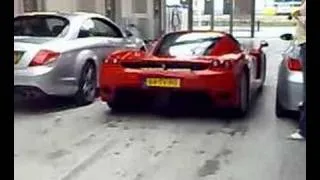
(145, 14)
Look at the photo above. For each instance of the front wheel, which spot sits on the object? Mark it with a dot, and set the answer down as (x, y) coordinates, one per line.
(87, 85)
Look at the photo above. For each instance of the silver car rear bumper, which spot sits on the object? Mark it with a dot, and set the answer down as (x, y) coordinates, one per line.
(46, 80)
(290, 92)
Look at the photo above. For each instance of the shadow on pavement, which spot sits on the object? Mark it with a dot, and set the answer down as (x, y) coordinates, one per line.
(42, 105)
(170, 112)
(196, 111)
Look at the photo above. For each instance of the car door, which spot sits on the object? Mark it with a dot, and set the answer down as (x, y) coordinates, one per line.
(102, 35)
(111, 36)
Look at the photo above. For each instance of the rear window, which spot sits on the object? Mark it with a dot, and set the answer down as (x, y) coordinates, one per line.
(187, 44)
(41, 26)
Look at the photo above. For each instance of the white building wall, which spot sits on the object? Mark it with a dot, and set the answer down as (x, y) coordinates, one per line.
(100, 7)
(60, 5)
(18, 7)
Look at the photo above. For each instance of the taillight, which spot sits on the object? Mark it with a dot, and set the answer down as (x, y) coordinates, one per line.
(44, 57)
(227, 64)
(216, 63)
(294, 64)
(111, 60)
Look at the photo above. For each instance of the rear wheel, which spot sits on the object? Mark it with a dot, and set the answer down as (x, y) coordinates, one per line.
(87, 85)
(263, 73)
(243, 93)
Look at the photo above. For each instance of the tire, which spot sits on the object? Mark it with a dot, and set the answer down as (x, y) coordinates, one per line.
(243, 106)
(264, 70)
(116, 106)
(87, 86)
(119, 103)
(280, 111)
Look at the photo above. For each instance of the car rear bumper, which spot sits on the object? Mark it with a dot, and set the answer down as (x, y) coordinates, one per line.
(219, 86)
(290, 94)
(45, 80)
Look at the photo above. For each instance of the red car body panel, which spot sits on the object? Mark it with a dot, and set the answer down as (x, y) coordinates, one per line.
(122, 70)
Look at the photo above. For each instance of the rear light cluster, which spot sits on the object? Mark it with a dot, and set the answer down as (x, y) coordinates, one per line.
(111, 60)
(227, 64)
(294, 64)
(44, 57)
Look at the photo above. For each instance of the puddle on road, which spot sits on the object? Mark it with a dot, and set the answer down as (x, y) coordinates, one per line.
(139, 176)
(209, 168)
(157, 153)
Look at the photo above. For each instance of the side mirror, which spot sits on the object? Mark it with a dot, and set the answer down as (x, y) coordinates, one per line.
(128, 33)
(264, 43)
(286, 37)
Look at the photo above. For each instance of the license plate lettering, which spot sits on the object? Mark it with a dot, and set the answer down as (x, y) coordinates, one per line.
(163, 82)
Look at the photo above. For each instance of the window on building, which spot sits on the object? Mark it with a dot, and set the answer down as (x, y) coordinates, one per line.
(139, 6)
(30, 5)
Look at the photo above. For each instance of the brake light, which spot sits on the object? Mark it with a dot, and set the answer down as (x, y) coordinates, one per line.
(226, 64)
(44, 57)
(216, 64)
(294, 64)
(111, 60)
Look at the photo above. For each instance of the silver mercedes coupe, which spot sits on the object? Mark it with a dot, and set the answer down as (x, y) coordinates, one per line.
(289, 93)
(59, 54)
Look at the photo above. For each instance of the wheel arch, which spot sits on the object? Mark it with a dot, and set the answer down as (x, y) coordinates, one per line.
(84, 57)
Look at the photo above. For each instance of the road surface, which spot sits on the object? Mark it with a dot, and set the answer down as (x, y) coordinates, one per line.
(54, 140)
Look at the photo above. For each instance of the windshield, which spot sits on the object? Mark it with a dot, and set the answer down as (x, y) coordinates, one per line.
(40, 26)
(186, 44)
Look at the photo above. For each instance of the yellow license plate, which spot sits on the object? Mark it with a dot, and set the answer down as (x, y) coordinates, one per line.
(163, 82)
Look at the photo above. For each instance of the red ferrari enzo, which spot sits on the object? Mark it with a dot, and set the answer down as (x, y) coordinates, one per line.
(210, 64)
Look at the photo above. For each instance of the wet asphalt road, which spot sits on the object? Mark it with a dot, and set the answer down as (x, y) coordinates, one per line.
(54, 140)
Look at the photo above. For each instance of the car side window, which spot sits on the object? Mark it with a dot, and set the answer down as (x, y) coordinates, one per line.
(97, 27)
(86, 28)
